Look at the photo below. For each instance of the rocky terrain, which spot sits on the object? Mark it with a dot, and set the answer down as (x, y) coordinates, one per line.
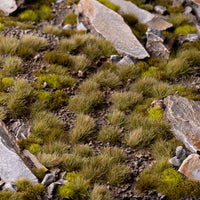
(99, 99)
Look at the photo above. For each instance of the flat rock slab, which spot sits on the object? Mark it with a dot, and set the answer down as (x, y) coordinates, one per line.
(191, 167)
(184, 117)
(144, 17)
(112, 27)
(12, 166)
(8, 6)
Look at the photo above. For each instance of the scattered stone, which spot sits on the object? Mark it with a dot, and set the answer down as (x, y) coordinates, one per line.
(155, 45)
(180, 152)
(175, 161)
(67, 27)
(34, 160)
(48, 179)
(188, 10)
(160, 9)
(126, 60)
(190, 167)
(143, 16)
(112, 27)
(115, 58)
(183, 116)
(158, 103)
(80, 74)
(10, 186)
(192, 37)
(81, 27)
(12, 166)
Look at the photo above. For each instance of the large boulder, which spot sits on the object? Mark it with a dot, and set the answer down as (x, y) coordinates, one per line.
(12, 167)
(183, 116)
(112, 27)
(9, 6)
(190, 167)
(143, 16)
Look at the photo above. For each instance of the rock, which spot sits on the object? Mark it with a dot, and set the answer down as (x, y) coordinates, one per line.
(8, 6)
(115, 58)
(196, 1)
(59, 1)
(192, 37)
(67, 27)
(178, 2)
(160, 9)
(196, 9)
(190, 167)
(112, 27)
(81, 27)
(180, 152)
(126, 60)
(143, 16)
(175, 161)
(155, 45)
(183, 116)
(50, 190)
(12, 167)
(34, 160)
(188, 10)
(9, 186)
(80, 74)
(48, 179)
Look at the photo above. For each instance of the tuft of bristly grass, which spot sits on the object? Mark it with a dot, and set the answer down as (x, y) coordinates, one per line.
(84, 127)
(83, 150)
(8, 45)
(70, 18)
(116, 118)
(100, 192)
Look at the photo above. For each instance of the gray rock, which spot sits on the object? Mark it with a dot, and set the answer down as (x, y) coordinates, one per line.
(190, 167)
(67, 27)
(9, 186)
(180, 152)
(196, 2)
(196, 9)
(178, 2)
(160, 9)
(59, 1)
(126, 60)
(48, 179)
(50, 190)
(143, 16)
(175, 161)
(112, 27)
(115, 58)
(192, 37)
(12, 166)
(188, 10)
(155, 45)
(183, 116)
(8, 6)
(81, 27)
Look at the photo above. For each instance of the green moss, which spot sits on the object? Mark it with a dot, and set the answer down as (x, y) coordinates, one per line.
(2, 27)
(70, 18)
(156, 113)
(130, 19)
(45, 13)
(43, 96)
(110, 5)
(39, 173)
(35, 148)
(66, 191)
(175, 9)
(151, 72)
(7, 81)
(28, 15)
(184, 30)
(51, 80)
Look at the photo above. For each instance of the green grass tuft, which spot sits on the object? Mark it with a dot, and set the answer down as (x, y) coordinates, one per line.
(70, 18)
(110, 5)
(186, 29)
(116, 118)
(28, 15)
(100, 192)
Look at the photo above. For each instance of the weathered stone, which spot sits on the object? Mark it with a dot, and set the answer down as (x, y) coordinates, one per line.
(180, 152)
(9, 6)
(12, 166)
(126, 60)
(178, 2)
(188, 10)
(112, 27)
(155, 44)
(175, 161)
(81, 27)
(67, 27)
(183, 116)
(190, 167)
(196, 1)
(160, 9)
(59, 1)
(143, 16)
(115, 58)
(9, 186)
(48, 179)
(192, 37)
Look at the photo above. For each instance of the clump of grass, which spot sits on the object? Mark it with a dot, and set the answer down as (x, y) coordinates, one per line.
(70, 18)
(186, 29)
(130, 19)
(86, 103)
(125, 101)
(33, 42)
(45, 13)
(20, 98)
(100, 192)
(81, 63)
(110, 5)
(84, 127)
(156, 113)
(39, 173)
(151, 72)
(52, 30)
(88, 86)
(175, 9)
(47, 127)
(28, 15)
(109, 134)
(2, 27)
(12, 66)
(116, 118)
(35, 148)
(55, 147)
(3, 113)
(8, 45)
(179, 19)
(107, 79)
(129, 72)
(83, 150)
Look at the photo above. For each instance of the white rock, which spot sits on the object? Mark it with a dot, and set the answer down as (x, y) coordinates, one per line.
(67, 27)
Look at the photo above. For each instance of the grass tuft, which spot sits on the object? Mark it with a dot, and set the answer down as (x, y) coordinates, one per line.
(28, 15)
(70, 18)
(100, 192)
(116, 118)
(110, 5)
(8, 45)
